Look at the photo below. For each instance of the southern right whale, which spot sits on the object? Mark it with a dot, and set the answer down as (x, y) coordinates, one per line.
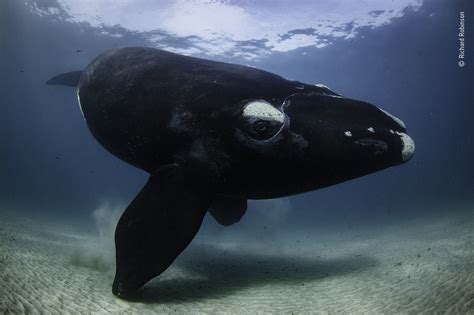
(213, 135)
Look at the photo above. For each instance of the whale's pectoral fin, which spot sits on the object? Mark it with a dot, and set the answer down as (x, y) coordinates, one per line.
(159, 223)
(228, 210)
(68, 79)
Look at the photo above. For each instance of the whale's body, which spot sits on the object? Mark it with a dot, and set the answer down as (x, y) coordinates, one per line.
(213, 135)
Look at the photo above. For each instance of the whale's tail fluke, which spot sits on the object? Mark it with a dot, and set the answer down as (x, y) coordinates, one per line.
(68, 79)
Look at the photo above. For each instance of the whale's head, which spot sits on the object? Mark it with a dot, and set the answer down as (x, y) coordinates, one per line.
(314, 140)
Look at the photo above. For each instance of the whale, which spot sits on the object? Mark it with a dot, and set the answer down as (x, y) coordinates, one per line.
(213, 135)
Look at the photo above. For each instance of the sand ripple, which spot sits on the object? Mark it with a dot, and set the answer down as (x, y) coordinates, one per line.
(418, 267)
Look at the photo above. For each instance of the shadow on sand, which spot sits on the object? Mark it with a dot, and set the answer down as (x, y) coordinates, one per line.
(223, 272)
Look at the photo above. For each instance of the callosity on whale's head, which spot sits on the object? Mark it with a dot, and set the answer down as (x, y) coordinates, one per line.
(313, 140)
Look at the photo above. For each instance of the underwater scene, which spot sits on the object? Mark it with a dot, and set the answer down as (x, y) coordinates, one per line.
(236, 157)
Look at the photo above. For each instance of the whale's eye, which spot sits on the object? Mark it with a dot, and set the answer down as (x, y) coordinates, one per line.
(261, 129)
(262, 121)
(261, 126)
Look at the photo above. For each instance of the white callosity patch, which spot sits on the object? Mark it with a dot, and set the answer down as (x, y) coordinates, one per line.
(79, 101)
(397, 120)
(408, 146)
(348, 134)
(260, 109)
(371, 130)
(322, 86)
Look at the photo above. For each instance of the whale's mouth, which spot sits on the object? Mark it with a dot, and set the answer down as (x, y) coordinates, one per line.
(382, 139)
(377, 147)
(377, 143)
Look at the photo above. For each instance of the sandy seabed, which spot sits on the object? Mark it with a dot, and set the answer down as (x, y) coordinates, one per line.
(418, 266)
